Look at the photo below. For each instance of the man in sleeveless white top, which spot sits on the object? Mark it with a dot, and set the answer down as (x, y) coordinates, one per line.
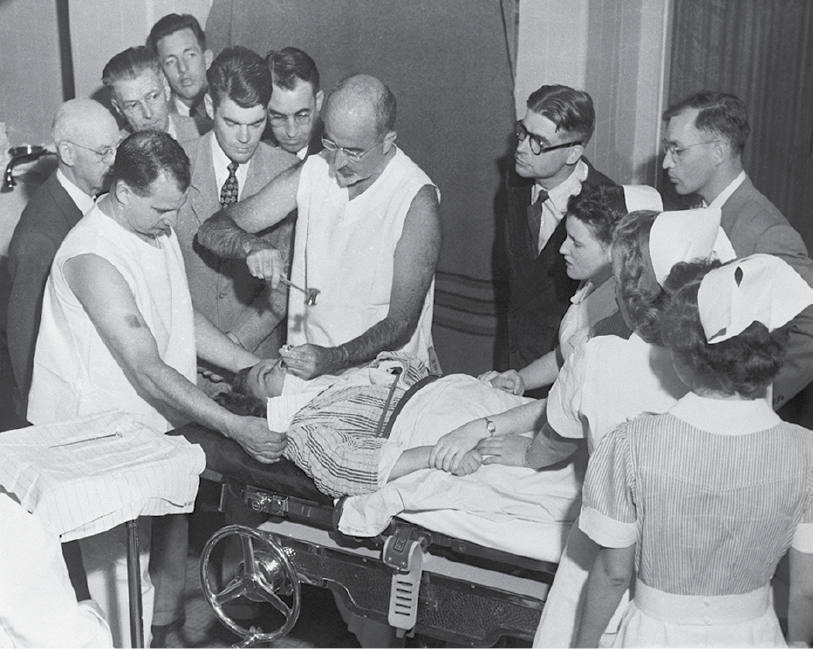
(118, 330)
(367, 236)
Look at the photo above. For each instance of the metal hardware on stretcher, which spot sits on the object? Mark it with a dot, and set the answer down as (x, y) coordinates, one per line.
(265, 574)
(404, 552)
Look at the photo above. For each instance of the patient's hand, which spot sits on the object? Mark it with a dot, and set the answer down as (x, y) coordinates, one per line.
(260, 443)
(469, 464)
(509, 381)
(450, 449)
(309, 361)
(505, 449)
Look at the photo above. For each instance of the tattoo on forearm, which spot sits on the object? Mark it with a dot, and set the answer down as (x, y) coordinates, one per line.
(224, 237)
(133, 321)
(385, 335)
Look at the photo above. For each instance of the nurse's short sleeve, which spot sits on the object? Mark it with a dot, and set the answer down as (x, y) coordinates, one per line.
(569, 391)
(803, 536)
(608, 514)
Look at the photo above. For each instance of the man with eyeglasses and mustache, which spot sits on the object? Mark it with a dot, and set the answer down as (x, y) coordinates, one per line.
(367, 236)
(294, 124)
(85, 137)
(140, 93)
(549, 168)
(705, 136)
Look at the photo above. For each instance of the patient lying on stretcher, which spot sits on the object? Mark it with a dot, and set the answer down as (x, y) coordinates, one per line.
(355, 433)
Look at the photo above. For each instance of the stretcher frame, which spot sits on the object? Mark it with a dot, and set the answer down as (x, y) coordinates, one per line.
(414, 580)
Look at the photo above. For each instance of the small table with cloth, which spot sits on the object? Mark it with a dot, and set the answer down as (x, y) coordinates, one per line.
(89, 475)
(753, 475)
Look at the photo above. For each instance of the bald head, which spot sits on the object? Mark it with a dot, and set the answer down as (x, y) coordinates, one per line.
(86, 136)
(363, 98)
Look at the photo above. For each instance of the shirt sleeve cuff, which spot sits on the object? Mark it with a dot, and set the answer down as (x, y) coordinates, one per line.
(803, 538)
(606, 531)
(560, 422)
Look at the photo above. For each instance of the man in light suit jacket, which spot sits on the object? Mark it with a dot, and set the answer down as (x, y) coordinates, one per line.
(549, 168)
(229, 164)
(705, 136)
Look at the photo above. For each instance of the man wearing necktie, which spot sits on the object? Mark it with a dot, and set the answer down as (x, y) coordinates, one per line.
(549, 168)
(229, 164)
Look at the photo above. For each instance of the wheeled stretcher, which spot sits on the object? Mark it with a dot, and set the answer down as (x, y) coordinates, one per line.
(411, 578)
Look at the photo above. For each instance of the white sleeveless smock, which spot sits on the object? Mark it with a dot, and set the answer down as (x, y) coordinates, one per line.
(346, 248)
(74, 372)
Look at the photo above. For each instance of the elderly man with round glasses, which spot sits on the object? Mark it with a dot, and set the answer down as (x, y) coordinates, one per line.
(549, 168)
(367, 236)
(85, 136)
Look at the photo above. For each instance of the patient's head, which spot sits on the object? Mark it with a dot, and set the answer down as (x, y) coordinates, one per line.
(252, 386)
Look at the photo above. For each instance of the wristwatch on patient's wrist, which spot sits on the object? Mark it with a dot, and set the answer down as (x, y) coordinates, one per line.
(491, 427)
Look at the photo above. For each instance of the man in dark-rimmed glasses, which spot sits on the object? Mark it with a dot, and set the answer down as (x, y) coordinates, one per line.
(549, 168)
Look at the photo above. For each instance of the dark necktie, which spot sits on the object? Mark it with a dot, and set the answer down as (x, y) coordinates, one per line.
(535, 218)
(228, 195)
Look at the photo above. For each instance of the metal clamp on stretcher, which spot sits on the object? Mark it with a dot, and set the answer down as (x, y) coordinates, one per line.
(409, 579)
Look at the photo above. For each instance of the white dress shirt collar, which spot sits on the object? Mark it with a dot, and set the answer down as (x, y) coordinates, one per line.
(80, 198)
(726, 193)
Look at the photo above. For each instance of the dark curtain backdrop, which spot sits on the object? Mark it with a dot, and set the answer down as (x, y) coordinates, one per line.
(761, 51)
(449, 64)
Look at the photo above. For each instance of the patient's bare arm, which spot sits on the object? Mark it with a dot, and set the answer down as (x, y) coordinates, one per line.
(416, 257)
(109, 302)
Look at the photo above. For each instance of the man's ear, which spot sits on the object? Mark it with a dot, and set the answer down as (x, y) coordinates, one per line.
(122, 192)
(720, 151)
(320, 96)
(65, 152)
(115, 105)
(208, 104)
(574, 154)
(167, 89)
(208, 57)
(389, 140)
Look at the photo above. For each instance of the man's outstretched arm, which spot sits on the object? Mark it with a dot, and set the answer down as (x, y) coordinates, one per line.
(416, 258)
(109, 302)
(231, 233)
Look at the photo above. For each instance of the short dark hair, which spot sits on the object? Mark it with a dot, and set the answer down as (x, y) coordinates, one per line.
(744, 364)
(719, 113)
(241, 75)
(239, 399)
(600, 207)
(130, 64)
(291, 65)
(172, 23)
(571, 110)
(637, 285)
(144, 156)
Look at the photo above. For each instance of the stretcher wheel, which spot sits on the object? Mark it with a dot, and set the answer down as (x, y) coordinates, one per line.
(265, 574)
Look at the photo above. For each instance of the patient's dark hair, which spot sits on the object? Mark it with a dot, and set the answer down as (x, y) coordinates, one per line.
(744, 364)
(239, 400)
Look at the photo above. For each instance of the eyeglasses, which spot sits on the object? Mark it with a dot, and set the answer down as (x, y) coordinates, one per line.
(535, 142)
(672, 149)
(353, 154)
(107, 154)
(303, 118)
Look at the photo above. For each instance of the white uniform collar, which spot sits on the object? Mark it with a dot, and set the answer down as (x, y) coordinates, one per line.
(725, 417)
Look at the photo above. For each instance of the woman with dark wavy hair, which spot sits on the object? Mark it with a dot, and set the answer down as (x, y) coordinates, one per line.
(704, 500)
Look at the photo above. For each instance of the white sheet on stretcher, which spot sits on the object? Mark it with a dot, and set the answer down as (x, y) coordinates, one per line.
(88, 475)
(513, 509)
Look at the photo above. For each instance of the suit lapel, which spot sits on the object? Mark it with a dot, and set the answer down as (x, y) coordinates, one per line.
(70, 212)
(203, 190)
